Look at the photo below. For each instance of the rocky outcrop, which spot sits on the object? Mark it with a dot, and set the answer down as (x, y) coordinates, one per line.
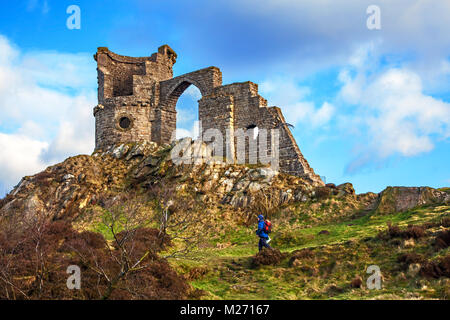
(345, 188)
(66, 189)
(63, 190)
(216, 181)
(398, 199)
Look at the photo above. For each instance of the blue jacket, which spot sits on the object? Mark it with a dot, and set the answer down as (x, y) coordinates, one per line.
(260, 231)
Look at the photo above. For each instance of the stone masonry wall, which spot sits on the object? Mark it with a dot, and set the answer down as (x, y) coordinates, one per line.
(170, 90)
(137, 102)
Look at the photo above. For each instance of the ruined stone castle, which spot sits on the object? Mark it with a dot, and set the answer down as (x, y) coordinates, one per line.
(137, 100)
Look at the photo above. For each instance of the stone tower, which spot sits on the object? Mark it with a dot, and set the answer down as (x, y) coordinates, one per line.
(137, 102)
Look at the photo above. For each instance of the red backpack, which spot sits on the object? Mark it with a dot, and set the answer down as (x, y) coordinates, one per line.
(267, 226)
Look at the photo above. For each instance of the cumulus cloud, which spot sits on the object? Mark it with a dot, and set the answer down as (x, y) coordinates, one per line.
(46, 101)
(193, 132)
(193, 92)
(391, 110)
(60, 70)
(20, 156)
(187, 113)
(293, 100)
(182, 133)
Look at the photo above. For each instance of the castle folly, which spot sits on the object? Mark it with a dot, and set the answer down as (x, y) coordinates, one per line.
(137, 99)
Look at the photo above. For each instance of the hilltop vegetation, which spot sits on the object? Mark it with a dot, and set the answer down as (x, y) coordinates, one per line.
(188, 231)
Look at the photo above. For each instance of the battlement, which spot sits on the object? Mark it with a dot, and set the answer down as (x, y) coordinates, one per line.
(116, 73)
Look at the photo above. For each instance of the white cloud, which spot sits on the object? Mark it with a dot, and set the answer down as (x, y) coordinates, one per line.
(182, 133)
(193, 92)
(293, 101)
(46, 101)
(62, 70)
(20, 156)
(193, 132)
(392, 109)
(323, 114)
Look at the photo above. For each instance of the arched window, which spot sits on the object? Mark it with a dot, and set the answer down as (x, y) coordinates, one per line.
(187, 113)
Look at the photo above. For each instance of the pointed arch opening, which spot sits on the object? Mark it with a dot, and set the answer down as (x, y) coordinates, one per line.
(187, 113)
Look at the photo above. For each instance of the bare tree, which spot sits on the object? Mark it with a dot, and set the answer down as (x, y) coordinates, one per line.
(125, 220)
(35, 257)
(180, 217)
(266, 202)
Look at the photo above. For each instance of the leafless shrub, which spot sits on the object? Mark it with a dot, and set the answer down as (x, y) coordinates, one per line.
(34, 258)
(266, 202)
(180, 216)
(436, 269)
(409, 258)
(394, 231)
(442, 240)
(323, 192)
(267, 257)
(356, 282)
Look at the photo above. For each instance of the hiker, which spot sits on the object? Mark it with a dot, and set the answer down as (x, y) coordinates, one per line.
(263, 230)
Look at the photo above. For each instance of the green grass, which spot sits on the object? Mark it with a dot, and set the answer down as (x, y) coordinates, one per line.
(347, 251)
(106, 224)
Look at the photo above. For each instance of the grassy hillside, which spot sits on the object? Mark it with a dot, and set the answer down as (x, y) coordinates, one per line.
(325, 237)
(223, 270)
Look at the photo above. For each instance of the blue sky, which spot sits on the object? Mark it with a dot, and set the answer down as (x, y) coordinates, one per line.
(371, 107)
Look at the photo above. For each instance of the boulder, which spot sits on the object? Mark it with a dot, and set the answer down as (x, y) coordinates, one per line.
(265, 174)
(119, 152)
(254, 186)
(241, 184)
(240, 201)
(225, 185)
(68, 176)
(141, 150)
(346, 188)
(399, 199)
(285, 196)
